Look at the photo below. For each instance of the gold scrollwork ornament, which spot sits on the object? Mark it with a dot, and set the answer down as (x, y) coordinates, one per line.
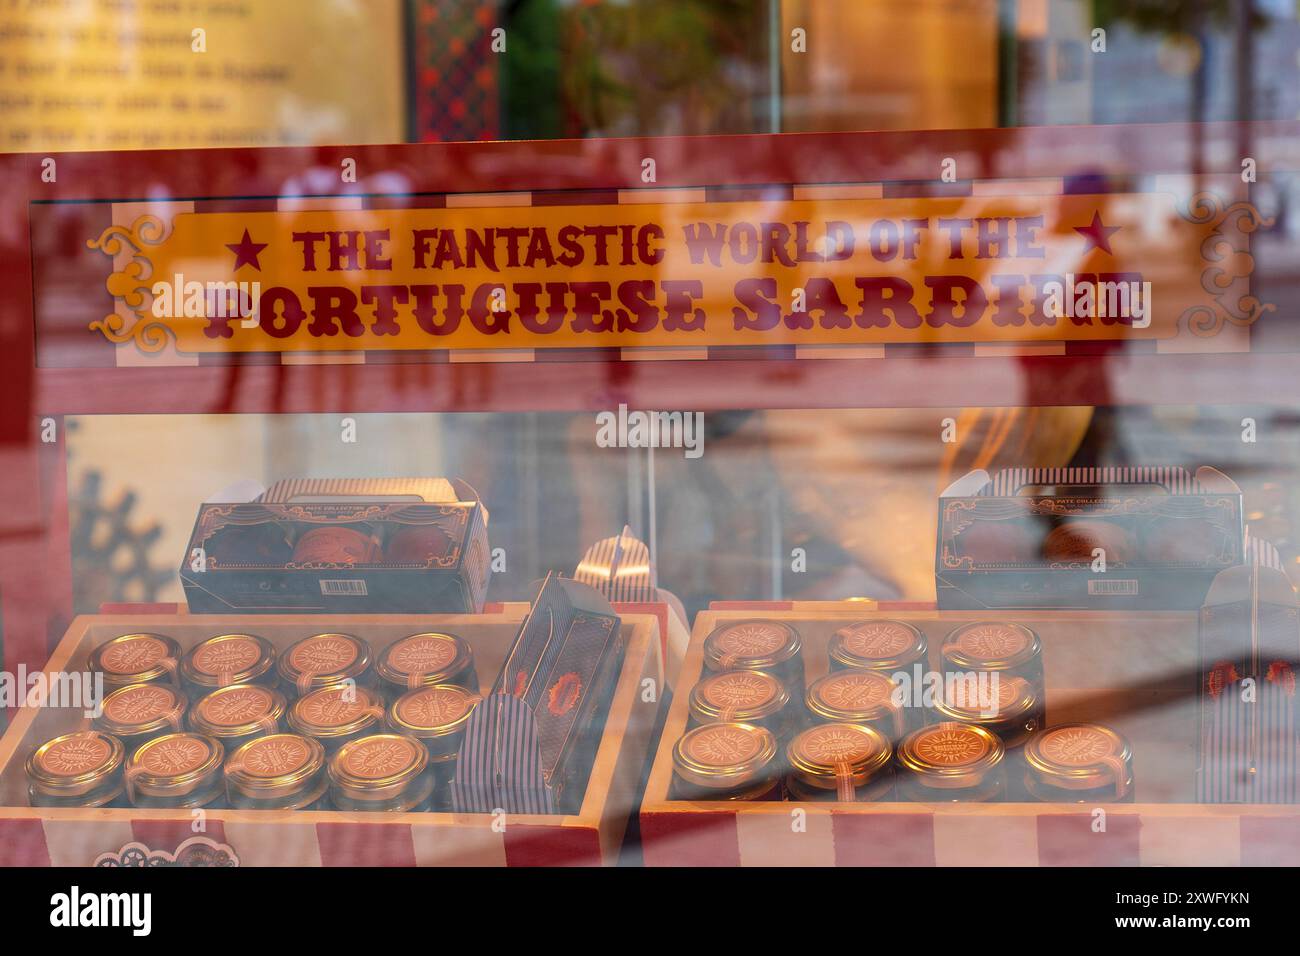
(131, 283)
(1206, 320)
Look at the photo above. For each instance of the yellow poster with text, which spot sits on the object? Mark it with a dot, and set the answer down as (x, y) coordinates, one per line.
(914, 270)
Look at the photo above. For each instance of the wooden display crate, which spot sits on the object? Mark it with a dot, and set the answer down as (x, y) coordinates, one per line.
(1135, 671)
(77, 837)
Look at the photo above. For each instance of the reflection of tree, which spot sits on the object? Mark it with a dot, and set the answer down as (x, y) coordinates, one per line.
(1196, 18)
(1169, 16)
(530, 104)
(664, 66)
(110, 558)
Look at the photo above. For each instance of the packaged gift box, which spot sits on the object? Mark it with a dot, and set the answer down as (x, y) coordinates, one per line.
(341, 545)
(1100, 538)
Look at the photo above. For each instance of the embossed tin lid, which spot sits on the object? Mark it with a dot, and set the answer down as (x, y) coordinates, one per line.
(840, 756)
(737, 695)
(227, 659)
(437, 714)
(331, 713)
(878, 645)
(237, 711)
(724, 755)
(174, 765)
(429, 658)
(136, 659)
(950, 755)
(1015, 700)
(1081, 757)
(277, 765)
(324, 660)
(854, 694)
(991, 645)
(378, 767)
(138, 709)
(756, 644)
(75, 764)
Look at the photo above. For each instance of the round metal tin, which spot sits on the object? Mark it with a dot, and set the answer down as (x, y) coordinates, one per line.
(136, 659)
(82, 769)
(335, 715)
(285, 769)
(383, 770)
(138, 712)
(1080, 757)
(951, 755)
(324, 660)
(751, 645)
(877, 645)
(856, 695)
(239, 711)
(176, 770)
(748, 696)
(839, 757)
(426, 659)
(725, 755)
(228, 659)
(991, 645)
(437, 715)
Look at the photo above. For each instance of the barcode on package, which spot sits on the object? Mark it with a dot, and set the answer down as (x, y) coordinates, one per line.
(1124, 586)
(343, 586)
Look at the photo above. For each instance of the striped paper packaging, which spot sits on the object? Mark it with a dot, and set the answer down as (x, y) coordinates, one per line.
(532, 743)
(1249, 650)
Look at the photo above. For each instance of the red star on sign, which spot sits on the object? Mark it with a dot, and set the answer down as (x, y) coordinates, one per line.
(246, 252)
(1098, 235)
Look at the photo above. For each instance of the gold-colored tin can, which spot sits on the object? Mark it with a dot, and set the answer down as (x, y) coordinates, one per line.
(82, 769)
(727, 760)
(1010, 649)
(951, 762)
(423, 660)
(751, 697)
(335, 715)
(840, 761)
(1079, 763)
(859, 696)
(136, 659)
(437, 715)
(176, 771)
(385, 772)
(877, 645)
(228, 659)
(140, 712)
(238, 713)
(1014, 715)
(757, 645)
(324, 660)
(276, 772)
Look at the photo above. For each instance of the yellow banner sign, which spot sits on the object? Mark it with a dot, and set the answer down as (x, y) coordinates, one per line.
(860, 271)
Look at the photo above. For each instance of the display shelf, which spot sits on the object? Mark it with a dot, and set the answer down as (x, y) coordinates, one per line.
(1133, 671)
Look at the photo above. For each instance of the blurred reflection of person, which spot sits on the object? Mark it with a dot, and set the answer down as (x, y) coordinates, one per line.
(857, 489)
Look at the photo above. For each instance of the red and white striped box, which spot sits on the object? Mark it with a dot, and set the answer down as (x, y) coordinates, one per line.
(594, 835)
(1095, 669)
